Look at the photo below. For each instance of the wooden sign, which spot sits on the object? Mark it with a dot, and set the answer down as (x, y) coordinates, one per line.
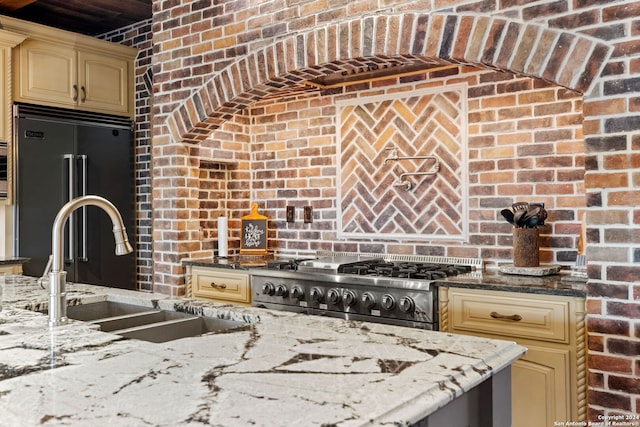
(253, 232)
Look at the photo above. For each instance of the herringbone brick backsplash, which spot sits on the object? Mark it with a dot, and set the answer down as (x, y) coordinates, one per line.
(372, 198)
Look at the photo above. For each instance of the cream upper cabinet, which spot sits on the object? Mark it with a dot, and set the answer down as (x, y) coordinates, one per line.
(47, 73)
(104, 83)
(549, 382)
(62, 69)
(58, 75)
(8, 41)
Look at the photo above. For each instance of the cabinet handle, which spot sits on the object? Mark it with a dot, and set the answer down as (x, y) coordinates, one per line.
(75, 93)
(514, 317)
(218, 286)
(84, 94)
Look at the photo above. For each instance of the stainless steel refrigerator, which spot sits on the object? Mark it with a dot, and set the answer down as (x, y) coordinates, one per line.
(61, 155)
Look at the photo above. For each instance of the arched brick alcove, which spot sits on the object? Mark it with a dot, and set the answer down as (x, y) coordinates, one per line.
(534, 47)
(565, 59)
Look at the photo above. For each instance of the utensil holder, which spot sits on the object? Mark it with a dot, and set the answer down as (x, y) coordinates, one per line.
(526, 247)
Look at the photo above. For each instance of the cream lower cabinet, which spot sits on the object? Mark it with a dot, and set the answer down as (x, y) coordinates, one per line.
(219, 284)
(11, 269)
(549, 381)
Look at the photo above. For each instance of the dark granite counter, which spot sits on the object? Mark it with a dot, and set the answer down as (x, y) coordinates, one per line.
(236, 262)
(13, 260)
(557, 284)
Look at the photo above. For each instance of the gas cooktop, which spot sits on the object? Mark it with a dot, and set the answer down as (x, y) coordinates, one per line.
(385, 289)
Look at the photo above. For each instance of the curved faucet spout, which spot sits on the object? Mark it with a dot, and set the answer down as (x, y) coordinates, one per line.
(57, 276)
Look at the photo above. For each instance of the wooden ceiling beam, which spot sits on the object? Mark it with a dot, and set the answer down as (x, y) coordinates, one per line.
(13, 5)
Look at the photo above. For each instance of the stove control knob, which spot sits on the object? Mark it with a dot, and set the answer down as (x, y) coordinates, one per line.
(406, 304)
(350, 298)
(268, 289)
(297, 292)
(388, 302)
(333, 296)
(316, 294)
(368, 300)
(281, 290)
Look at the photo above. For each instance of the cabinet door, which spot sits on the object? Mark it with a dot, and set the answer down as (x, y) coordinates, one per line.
(221, 285)
(539, 387)
(103, 83)
(47, 73)
(5, 100)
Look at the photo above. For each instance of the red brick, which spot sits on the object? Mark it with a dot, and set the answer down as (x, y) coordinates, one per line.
(623, 347)
(608, 326)
(606, 180)
(609, 400)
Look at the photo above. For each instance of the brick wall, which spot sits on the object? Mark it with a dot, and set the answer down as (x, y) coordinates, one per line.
(525, 139)
(211, 62)
(139, 36)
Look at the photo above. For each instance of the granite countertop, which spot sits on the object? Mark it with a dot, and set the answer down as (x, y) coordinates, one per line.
(281, 369)
(238, 262)
(555, 284)
(13, 260)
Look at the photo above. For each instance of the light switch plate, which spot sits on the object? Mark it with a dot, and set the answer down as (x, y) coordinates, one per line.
(308, 214)
(291, 213)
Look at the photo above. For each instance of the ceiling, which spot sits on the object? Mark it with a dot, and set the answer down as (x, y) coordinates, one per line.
(91, 17)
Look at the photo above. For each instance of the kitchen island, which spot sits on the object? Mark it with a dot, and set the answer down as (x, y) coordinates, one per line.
(280, 369)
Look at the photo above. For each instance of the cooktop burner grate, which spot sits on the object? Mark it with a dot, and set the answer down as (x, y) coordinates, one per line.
(404, 269)
(289, 264)
(473, 263)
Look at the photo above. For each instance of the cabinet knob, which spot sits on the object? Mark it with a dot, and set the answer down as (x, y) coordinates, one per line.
(75, 93)
(513, 317)
(84, 94)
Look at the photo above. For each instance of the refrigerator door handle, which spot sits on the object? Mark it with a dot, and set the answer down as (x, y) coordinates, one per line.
(71, 173)
(82, 255)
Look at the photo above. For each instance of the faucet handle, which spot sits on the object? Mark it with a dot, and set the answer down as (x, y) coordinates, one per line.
(393, 153)
(45, 274)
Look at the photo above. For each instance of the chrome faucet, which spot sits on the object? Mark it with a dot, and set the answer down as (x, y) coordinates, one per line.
(57, 275)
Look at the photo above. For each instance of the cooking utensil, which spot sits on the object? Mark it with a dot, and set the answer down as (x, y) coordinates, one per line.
(531, 212)
(518, 217)
(508, 215)
(531, 221)
(519, 206)
(542, 216)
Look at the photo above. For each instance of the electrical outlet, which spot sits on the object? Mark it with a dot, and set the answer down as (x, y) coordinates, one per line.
(291, 214)
(308, 214)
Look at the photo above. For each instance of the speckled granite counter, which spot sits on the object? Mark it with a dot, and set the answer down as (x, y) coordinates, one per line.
(283, 370)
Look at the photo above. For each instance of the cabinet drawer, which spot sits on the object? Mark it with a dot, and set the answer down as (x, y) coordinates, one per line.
(221, 285)
(516, 315)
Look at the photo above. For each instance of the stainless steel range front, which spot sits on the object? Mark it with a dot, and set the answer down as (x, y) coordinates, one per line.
(391, 289)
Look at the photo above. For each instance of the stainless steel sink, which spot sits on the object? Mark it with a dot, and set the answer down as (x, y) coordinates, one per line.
(147, 323)
(103, 310)
(179, 327)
